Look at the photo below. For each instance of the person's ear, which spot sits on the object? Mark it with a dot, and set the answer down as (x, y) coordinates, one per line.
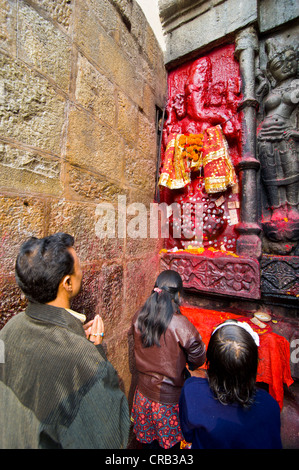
(67, 283)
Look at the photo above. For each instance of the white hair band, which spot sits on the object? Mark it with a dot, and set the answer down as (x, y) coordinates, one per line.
(243, 325)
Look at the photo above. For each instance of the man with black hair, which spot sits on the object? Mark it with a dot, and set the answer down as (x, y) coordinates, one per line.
(57, 389)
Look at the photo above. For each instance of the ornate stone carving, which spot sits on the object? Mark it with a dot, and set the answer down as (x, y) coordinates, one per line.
(280, 275)
(226, 275)
(278, 141)
(203, 94)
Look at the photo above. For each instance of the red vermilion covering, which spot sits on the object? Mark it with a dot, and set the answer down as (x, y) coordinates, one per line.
(274, 350)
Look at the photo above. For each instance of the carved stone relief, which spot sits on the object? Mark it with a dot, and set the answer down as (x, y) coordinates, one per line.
(204, 94)
(280, 275)
(278, 142)
(221, 275)
(277, 89)
(201, 148)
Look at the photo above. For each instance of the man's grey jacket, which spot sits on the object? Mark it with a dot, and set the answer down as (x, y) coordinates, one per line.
(57, 389)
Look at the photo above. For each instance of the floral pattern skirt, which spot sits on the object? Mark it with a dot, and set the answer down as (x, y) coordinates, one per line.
(155, 421)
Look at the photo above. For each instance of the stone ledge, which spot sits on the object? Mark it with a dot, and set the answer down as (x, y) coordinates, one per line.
(197, 28)
(218, 273)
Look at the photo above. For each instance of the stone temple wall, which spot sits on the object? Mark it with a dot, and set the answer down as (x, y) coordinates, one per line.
(80, 82)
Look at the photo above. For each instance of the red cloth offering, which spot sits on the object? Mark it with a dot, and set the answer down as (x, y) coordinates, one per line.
(274, 350)
(186, 152)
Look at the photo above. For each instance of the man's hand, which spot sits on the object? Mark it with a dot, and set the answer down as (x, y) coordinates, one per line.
(94, 330)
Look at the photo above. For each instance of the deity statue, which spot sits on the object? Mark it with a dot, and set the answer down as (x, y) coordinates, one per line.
(201, 140)
(278, 138)
(203, 103)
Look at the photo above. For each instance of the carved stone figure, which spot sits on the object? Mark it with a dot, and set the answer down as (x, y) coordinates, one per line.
(199, 168)
(204, 103)
(278, 140)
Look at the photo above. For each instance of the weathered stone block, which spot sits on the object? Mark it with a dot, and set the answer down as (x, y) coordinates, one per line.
(138, 24)
(77, 128)
(148, 73)
(79, 219)
(29, 171)
(30, 110)
(141, 246)
(117, 351)
(121, 70)
(94, 146)
(60, 11)
(160, 83)
(127, 117)
(105, 286)
(93, 187)
(44, 46)
(86, 301)
(156, 79)
(274, 13)
(147, 139)
(128, 44)
(203, 25)
(124, 7)
(111, 289)
(140, 196)
(20, 218)
(99, 46)
(95, 92)
(140, 170)
(87, 29)
(140, 278)
(8, 26)
(151, 46)
(149, 103)
(12, 300)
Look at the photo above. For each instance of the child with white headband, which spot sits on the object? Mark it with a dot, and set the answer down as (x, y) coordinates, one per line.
(244, 325)
(226, 409)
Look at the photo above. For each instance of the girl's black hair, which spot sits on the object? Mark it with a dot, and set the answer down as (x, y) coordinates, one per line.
(232, 360)
(159, 308)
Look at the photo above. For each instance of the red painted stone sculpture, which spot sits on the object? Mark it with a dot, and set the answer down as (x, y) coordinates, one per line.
(201, 148)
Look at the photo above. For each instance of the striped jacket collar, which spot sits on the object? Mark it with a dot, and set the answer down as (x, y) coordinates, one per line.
(54, 315)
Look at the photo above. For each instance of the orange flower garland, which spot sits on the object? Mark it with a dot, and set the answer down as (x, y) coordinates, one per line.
(193, 147)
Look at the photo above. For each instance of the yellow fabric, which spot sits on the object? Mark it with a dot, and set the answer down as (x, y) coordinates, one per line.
(186, 153)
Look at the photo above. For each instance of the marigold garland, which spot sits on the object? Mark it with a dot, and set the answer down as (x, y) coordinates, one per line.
(193, 146)
(198, 251)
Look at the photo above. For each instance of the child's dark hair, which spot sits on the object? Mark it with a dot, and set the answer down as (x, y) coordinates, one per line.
(232, 360)
(159, 308)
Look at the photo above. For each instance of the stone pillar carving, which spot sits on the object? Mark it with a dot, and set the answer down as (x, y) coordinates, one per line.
(249, 243)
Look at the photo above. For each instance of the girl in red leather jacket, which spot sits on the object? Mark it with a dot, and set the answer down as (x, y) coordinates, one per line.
(164, 341)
